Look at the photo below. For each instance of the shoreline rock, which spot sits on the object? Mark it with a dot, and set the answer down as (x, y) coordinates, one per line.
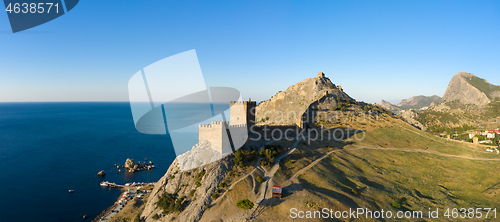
(101, 173)
(131, 166)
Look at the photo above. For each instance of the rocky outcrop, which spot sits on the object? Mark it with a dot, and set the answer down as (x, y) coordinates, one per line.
(410, 117)
(101, 173)
(287, 107)
(461, 90)
(180, 184)
(389, 106)
(199, 155)
(131, 166)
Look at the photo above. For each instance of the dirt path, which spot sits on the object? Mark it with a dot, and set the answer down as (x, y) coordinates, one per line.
(301, 171)
(410, 150)
(413, 150)
(264, 187)
(268, 176)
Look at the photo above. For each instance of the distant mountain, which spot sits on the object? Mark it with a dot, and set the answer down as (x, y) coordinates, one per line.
(416, 102)
(469, 101)
(389, 106)
(466, 88)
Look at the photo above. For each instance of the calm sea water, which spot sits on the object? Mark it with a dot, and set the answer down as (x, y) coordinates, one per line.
(47, 149)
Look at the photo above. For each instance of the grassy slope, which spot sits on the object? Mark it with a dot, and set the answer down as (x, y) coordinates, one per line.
(483, 86)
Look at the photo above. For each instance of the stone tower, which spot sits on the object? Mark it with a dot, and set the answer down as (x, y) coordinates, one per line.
(242, 112)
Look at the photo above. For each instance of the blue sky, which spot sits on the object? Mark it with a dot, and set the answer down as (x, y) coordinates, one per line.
(375, 49)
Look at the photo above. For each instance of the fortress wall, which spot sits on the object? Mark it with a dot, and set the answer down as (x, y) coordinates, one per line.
(213, 133)
(239, 134)
(242, 112)
(225, 145)
(237, 113)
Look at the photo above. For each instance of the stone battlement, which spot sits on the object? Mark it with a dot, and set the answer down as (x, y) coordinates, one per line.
(214, 123)
(242, 102)
(238, 125)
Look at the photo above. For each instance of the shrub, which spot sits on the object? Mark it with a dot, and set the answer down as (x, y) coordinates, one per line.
(253, 153)
(172, 177)
(200, 175)
(353, 191)
(217, 191)
(238, 158)
(155, 217)
(260, 179)
(170, 204)
(244, 204)
(261, 153)
(198, 184)
(214, 196)
(137, 218)
(191, 193)
(396, 205)
(207, 206)
(223, 185)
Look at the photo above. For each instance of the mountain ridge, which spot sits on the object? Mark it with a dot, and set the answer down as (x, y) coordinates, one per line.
(415, 102)
(468, 89)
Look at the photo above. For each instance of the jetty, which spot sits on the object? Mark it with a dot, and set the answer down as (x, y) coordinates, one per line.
(110, 184)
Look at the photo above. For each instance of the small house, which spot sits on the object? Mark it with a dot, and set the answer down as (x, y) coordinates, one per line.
(277, 191)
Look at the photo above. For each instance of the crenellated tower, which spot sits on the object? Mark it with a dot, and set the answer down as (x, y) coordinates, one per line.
(242, 112)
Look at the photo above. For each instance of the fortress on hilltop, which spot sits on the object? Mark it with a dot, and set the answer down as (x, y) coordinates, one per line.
(225, 136)
(284, 115)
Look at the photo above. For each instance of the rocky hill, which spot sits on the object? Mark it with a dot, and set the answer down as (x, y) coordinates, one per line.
(193, 190)
(418, 102)
(286, 107)
(389, 106)
(467, 102)
(468, 89)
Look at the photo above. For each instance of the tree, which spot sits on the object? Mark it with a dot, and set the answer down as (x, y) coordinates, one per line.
(260, 179)
(238, 158)
(244, 204)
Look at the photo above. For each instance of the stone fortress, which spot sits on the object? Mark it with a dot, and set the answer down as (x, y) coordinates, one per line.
(302, 100)
(224, 136)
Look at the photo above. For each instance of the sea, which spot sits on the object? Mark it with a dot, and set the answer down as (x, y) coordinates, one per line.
(47, 149)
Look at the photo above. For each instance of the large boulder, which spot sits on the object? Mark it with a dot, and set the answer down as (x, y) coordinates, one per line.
(101, 173)
(130, 163)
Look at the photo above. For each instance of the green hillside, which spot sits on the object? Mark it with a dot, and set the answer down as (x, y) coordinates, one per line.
(395, 168)
(482, 85)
